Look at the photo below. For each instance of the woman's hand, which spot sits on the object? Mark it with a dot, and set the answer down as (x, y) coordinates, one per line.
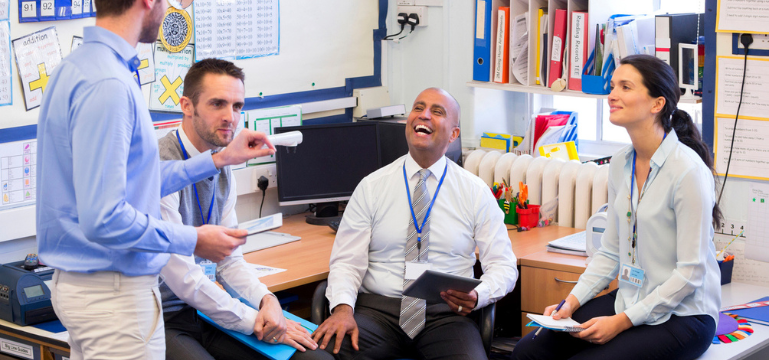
(569, 307)
(602, 329)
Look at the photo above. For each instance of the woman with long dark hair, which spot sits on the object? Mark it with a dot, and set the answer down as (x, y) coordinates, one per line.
(661, 218)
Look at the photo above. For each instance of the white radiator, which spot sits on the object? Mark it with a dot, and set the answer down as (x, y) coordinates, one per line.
(581, 188)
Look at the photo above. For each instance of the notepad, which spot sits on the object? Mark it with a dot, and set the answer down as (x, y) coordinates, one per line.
(548, 322)
(272, 351)
(576, 242)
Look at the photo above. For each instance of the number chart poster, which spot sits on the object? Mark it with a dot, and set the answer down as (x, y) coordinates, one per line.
(17, 173)
(170, 70)
(239, 29)
(37, 54)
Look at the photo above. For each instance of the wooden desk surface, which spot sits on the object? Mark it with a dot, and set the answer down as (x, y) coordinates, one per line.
(307, 260)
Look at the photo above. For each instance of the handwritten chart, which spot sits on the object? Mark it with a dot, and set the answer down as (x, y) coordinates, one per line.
(6, 85)
(37, 54)
(17, 173)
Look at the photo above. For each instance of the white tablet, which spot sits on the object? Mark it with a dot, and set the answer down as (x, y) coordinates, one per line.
(431, 283)
(263, 224)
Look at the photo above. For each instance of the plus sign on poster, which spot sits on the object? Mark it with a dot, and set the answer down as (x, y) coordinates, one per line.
(170, 70)
(37, 54)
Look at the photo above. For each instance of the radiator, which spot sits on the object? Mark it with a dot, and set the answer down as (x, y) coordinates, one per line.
(581, 189)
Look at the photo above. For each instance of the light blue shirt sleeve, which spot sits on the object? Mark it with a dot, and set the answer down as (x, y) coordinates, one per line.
(100, 154)
(178, 174)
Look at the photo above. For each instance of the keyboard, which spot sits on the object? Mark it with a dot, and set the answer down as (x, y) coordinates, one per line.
(265, 240)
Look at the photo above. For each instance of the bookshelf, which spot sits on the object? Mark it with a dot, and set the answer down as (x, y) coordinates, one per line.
(537, 89)
(598, 12)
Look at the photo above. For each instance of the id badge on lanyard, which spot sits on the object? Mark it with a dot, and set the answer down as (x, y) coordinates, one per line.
(209, 269)
(632, 275)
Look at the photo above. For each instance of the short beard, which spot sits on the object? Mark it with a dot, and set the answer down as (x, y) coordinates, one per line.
(206, 134)
(151, 26)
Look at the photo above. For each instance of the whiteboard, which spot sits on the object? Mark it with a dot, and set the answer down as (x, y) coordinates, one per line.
(322, 43)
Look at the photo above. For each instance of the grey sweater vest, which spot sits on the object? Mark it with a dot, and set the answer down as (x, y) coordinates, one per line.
(188, 206)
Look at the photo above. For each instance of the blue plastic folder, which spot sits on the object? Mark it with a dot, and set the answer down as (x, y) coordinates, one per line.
(758, 313)
(482, 45)
(272, 351)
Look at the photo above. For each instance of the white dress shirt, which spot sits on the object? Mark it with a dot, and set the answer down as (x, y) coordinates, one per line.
(187, 280)
(368, 253)
(675, 238)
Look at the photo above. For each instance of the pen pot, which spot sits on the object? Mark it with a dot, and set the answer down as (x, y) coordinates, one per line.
(511, 216)
(726, 268)
(528, 217)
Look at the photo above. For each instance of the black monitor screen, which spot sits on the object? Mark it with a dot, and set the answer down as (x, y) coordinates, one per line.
(329, 163)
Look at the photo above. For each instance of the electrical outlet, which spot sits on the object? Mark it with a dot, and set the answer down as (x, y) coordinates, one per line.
(421, 12)
(733, 227)
(760, 42)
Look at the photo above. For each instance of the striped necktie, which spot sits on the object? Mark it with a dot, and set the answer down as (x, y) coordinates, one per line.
(412, 317)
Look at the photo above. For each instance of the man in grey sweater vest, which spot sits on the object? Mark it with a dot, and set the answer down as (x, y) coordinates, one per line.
(213, 97)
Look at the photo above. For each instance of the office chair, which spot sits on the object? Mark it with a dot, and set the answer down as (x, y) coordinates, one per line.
(484, 316)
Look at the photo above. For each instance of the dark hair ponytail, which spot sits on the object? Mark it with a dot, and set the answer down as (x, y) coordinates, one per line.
(661, 81)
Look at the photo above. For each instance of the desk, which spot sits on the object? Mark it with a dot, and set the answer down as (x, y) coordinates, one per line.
(43, 345)
(754, 346)
(306, 260)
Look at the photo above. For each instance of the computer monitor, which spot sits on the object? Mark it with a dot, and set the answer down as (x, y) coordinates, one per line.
(333, 158)
(327, 166)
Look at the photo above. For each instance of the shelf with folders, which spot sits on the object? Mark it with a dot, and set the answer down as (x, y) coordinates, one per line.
(523, 69)
(547, 91)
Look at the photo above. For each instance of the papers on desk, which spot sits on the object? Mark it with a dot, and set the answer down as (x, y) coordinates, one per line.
(759, 314)
(263, 270)
(572, 245)
(547, 322)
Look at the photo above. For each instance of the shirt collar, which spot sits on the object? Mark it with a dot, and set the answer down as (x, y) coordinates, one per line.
(192, 151)
(436, 169)
(121, 47)
(662, 152)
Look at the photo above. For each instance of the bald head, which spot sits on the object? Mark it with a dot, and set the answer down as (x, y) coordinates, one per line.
(452, 105)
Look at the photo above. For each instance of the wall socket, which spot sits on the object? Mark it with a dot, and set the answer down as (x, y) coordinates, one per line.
(421, 12)
(731, 227)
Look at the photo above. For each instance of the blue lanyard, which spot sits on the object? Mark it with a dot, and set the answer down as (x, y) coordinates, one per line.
(213, 197)
(640, 195)
(429, 209)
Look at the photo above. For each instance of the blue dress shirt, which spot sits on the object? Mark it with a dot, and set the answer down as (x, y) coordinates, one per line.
(99, 177)
(675, 238)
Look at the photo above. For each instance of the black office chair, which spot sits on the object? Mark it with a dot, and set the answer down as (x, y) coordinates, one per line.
(484, 316)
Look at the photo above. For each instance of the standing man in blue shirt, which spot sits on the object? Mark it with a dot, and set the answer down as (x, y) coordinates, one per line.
(99, 187)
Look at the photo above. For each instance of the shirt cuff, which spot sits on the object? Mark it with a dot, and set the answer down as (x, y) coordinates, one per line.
(185, 240)
(637, 314)
(201, 166)
(484, 292)
(582, 293)
(249, 321)
(342, 299)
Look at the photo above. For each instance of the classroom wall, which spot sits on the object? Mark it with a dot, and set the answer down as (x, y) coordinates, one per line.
(441, 55)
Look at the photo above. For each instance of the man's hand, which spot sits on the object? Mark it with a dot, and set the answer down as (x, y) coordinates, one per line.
(298, 337)
(217, 242)
(341, 322)
(270, 324)
(569, 307)
(461, 303)
(247, 145)
(603, 328)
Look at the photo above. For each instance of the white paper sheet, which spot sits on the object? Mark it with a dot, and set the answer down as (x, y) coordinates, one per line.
(18, 161)
(729, 82)
(170, 70)
(757, 241)
(751, 147)
(262, 270)
(519, 49)
(743, 16)
(236, 29)
(4, 9)
(37, 54)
